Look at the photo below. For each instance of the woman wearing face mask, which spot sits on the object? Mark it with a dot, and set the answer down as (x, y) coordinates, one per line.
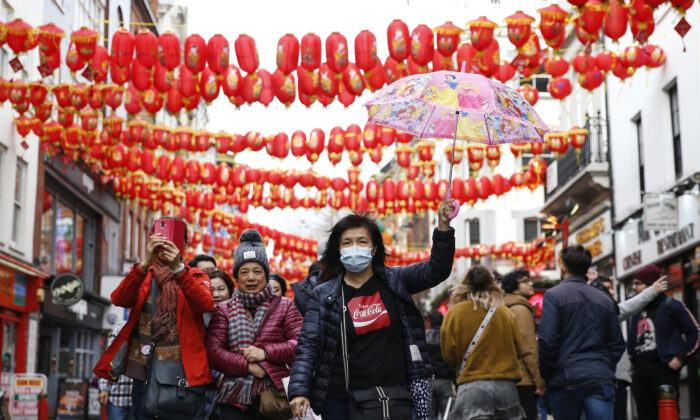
(252, 336)
(384, 333)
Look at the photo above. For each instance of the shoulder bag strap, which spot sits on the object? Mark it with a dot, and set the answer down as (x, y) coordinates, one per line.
(344, 339)
(476, 338)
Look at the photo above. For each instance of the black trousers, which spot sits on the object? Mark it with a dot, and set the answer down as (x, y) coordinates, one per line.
(528, 401)
(227, 412)
(621, 400)
(645, 386)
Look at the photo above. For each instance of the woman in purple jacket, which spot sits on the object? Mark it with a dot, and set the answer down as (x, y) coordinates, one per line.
(253, 336)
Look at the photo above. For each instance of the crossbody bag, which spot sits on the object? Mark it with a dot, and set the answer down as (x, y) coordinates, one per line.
(475, 339)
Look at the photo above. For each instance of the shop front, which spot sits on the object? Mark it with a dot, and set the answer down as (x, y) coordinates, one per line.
(677, 253)
(594, 235)
(19, 304)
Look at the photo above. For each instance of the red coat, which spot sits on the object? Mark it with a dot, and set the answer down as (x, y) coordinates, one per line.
(194, 299)
(277, 336)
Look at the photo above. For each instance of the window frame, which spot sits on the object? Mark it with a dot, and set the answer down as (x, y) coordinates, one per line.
(674, 108)
(470, 226)
(538, 228)
(18, 204)
(637, 121)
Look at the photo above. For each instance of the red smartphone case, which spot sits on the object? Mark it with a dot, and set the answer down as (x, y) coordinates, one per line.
(172, 230)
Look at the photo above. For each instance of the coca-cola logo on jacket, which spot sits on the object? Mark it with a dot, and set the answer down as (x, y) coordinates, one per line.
(368, 313)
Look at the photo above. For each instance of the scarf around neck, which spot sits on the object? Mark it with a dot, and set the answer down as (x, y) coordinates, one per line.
(165, 318)
(242, 327)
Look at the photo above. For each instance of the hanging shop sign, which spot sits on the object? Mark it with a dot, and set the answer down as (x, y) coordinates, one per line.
(660, 211)
(67, 289)
(636, 247)
(595, 236)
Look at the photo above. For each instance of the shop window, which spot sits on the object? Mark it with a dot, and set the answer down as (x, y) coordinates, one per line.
(474, 231)
(67, 239)
(640, 150)
(9, 337)
(20, 186)
(531, 229)
(676, 130)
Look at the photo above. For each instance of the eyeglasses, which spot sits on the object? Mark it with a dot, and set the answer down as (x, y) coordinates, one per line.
(525, 280)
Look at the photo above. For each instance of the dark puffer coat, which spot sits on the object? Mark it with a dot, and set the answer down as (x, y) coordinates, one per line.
(277, 335)
(319, 340)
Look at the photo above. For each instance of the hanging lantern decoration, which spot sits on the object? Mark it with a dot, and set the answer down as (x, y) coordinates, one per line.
(122, 48)
(119, 75)
(311, 51)
(366, 51)
(73, 60)
(287, 53)
(187, 83)
(370, 135)
(169, 50)
(583, 64)
(493, 155)
(62, 94)
(422, 47)
(466, 55)
(284, 87)
(88, 119)
(217, 53)
(487, 61)
(43, 111)
(616, 20)
(481, 32)
(23, 125)
(337, 53)
(633, 56)
(530, 93)
(681, 5)
(162, 79)
(173, 102)
(425, 150)
(641, 29)
(393, 72)
(519, 28)
(246, 54)
(655, 56)
(79, 96)
(553, 24)
(100, 64)
(17, 35)
(146, 46)
(152, 101)
(377, 77)
(556, 66)
(559, 87)
(404, 155)
(556, 142)
(447, 36)
(50, 37)
(85, 40)
(475, 155)
(606, 61)
(591, 18)
(459, 153)
(208, 85)
(65, 116)
(315, 145)
(37, 92)
(505, 72)
(397, 40)
(132, 100)
(298, 144)
(195, 53)
(141, 76)
(353, 80)
(577, 139)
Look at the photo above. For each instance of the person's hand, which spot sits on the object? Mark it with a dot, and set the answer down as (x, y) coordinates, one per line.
(591, 275)
(256, 370)
(660, 285)
(540, 391)
(154, 242)
(445, 210)
(299, 407)
(102, 397)
(675, 363)
(253, 354)
(170, 255)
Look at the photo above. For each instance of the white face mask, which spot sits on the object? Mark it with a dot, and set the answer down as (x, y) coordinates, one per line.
(356, 258)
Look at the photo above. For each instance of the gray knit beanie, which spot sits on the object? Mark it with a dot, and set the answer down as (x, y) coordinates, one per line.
(251, 249)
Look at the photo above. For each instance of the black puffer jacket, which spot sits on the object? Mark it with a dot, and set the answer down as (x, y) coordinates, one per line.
(319, 340)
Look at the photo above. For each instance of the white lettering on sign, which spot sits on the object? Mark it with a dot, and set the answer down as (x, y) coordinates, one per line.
(367, 310)
(66, 288)
(88, 183)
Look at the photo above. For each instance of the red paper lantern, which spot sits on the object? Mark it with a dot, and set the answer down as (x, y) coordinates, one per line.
(505, 72)
(422, 46)
(448, 39)
(17, 34)
(132, 100)
(174, 101)
(73, 60)
(246, 53)
(43, 111)
(606, 60)
(530, 93)
(591, 80)
(88, 119)
(552, 23)
(298, 144)
(141, 76)
(100, 64)
(122, 47)
(316, 144)
(284, 87)
(37, 92)
(641, 30)
(377, 77)
(195, 53)
(85, 40)
(493, 155)
(311, 51)
(633, 56)
(556, 66)
(582, 63)
(208, 85)
(487, 61)
(50, 37)
(152, 101)
(327, 81)
(519, 28)
(591, 18)
(336, 52)
(353, 80)
(425, 150)
(655, 56)
(119, 75)
(162, 79)
(146, 45)
(459, 154)
(217, 53)
(169, 50)
(475, 155)
(616, 20)
(23, 125)
(559, 87)
(287, 53)
(481, 32)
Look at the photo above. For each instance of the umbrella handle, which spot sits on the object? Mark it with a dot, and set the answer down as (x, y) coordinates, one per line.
(448, 195)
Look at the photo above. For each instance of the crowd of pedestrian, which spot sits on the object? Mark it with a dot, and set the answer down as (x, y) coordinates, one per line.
(354, 345)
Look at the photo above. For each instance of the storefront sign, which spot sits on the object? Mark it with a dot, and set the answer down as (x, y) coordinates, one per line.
(67, 289)
(24, 394)
(71, 399)
(660, 211)
(13, 288)
(595, 236)
(636, 248)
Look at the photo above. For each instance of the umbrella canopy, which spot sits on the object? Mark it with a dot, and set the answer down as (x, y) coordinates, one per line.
(482, 110)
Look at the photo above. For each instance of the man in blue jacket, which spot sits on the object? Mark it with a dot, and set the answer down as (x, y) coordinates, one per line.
(656, 345)
(580, 342)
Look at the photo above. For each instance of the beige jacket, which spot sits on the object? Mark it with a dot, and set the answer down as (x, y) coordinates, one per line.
(525, 318)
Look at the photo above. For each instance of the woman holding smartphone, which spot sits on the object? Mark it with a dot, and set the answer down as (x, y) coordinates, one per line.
(177, 335)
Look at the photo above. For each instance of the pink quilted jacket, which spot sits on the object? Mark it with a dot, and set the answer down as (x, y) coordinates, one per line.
(277, 336)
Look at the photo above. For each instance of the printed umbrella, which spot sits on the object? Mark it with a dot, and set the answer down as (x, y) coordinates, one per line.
(457, 105)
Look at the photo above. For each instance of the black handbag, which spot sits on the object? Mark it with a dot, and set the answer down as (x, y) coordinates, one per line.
(166, 392)
(377, 402)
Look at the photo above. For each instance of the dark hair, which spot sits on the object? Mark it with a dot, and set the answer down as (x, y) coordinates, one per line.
(330, 261)
(171, 218)
(604, 279)
(510, 281)
(201, 257)
(479, 286)
(281, 281)
(576, 260)
(435, 318)
(218, 274)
